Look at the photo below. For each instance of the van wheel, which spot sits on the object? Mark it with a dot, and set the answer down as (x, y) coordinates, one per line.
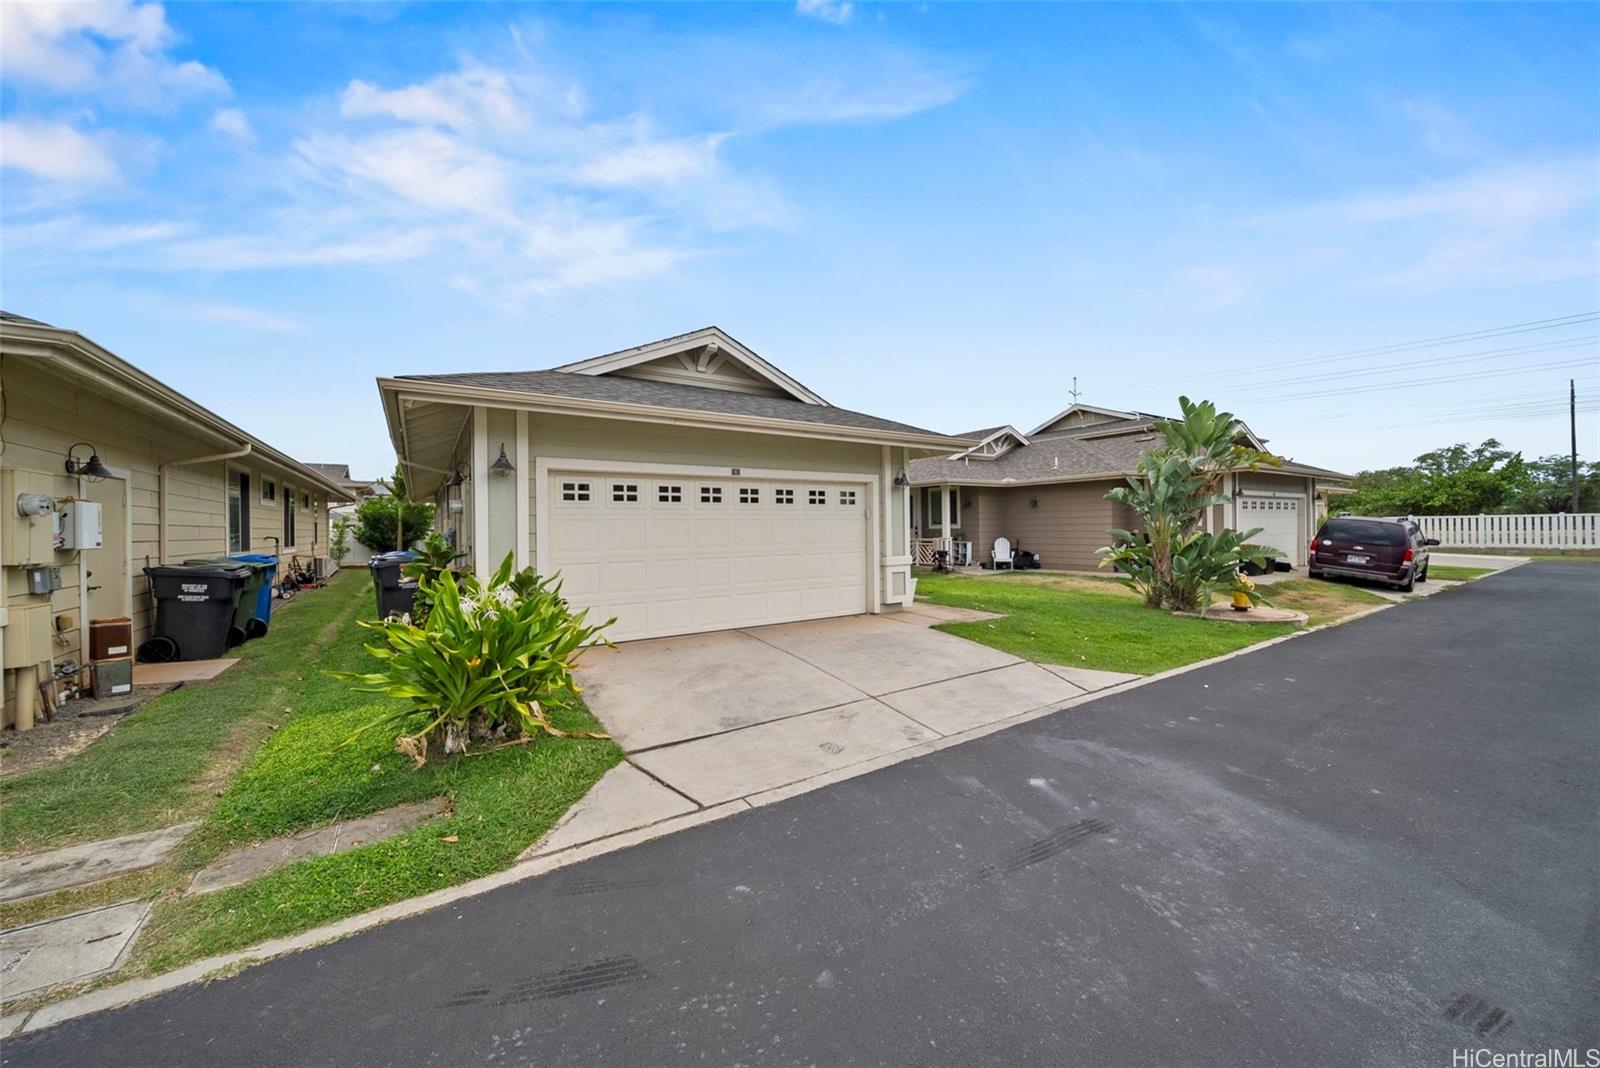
(1424, 576)
(1313, 574)
(1409, 584)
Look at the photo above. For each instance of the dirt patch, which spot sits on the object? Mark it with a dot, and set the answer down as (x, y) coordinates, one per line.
(78, 723)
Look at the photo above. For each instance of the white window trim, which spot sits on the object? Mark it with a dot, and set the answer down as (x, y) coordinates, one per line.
(262, 478)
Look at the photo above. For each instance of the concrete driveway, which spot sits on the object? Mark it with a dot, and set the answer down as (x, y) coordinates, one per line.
(708, 719)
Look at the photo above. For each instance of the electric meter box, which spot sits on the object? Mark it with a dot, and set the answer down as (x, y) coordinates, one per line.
(26, 537)
(80, 526)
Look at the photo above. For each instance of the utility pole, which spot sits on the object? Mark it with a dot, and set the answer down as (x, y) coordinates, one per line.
(1572, 414)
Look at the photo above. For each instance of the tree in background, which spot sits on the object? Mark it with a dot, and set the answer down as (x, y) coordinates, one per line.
(1465, 480)
(384, 524)
(339, 547)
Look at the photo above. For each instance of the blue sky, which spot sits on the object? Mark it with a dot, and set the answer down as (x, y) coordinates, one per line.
(940, 213)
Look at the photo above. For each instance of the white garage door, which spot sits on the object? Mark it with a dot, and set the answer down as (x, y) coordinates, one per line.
(673, 555)
(1279, 520)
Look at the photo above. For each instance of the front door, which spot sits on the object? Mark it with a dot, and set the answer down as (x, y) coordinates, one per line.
(109, 583)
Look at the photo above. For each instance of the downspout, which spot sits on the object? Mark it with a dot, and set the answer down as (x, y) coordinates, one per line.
(161, 511)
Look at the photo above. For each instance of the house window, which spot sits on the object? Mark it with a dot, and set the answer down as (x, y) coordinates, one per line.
(625, 492)
(238, 512)
(669, 494)
(710, 494)
(847, 498)
(269, 491)
(574, 491)
(305, 501)
(288, 517)
(749, 495)
(783, 496)
(817, 497)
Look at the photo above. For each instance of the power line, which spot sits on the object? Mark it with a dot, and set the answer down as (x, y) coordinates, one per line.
(1404, 346)
(1434, 381)
(1558, 345)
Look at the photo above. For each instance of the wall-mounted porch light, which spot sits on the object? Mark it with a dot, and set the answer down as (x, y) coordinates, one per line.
(91, 469)
(502, 466)
(457, 477)
(900, 478)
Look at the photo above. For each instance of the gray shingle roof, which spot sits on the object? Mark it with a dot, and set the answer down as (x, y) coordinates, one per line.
(12, 317)
(1056, 454)
(620, 390)
(1064, 454)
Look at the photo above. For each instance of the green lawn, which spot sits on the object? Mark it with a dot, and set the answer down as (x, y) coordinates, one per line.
(1085, 622)
(163, 764)
(1457, 574)
(1322, 602)
(298, 773)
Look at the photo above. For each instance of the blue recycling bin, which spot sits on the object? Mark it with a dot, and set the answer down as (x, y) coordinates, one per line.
(264, 599)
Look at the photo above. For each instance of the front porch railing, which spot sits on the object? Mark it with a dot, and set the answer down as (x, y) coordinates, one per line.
(923, 550)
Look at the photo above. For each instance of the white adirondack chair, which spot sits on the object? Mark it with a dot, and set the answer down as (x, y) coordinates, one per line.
(1002, 554)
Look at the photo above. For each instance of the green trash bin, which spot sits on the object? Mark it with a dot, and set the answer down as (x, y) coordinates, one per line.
(245, 616)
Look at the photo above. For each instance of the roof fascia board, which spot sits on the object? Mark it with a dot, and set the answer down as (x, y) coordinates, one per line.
(520, 400)
(1013, 431)
(599, 365)
(88, 359)
(1081, 408)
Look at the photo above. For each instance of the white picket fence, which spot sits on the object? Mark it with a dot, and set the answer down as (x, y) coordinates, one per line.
(1547, 531)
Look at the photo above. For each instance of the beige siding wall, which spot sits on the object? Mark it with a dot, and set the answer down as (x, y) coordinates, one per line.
(1065, 528)
(45, 414)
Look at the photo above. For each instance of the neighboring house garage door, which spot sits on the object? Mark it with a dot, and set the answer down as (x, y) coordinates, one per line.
(673, 555)
(1279, 520)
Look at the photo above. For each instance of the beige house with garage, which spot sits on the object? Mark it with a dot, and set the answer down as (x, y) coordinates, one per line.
(680, 486)
(1044, 492)
(136, 474)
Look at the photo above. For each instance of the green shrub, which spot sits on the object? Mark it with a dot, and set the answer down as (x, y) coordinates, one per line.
(483, 667)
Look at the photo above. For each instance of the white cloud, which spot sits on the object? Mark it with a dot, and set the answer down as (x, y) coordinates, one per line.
(232, 122)
(249, 318)
(474, 98)
(116, 50)
(648, 162)
(1513, 195)
(425, 167)
(55, 152)
(838, 12)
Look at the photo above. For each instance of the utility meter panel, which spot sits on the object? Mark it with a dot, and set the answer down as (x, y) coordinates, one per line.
(80, 526)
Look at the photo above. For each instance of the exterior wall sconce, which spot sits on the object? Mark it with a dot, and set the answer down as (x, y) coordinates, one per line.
(457, 477)
(1033, 502)
(900, 478)
(502, 466)
(91, 469)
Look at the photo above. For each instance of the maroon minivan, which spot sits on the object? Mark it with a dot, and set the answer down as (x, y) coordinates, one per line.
(1382, 550)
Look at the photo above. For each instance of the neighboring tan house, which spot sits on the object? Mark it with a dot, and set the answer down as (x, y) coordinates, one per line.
(684, 485)
(1045, 491)
(358, 489)
(180, 481)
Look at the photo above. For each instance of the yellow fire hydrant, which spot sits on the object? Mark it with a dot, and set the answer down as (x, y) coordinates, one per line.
(1241, 595)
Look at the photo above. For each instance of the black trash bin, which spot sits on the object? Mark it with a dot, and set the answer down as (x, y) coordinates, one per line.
(395, 592)
(249, 616)
(195, 610)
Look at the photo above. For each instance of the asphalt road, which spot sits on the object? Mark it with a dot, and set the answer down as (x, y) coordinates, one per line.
(1373, 845)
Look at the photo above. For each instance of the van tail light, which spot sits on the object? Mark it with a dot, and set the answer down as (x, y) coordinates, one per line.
(1409, 556)
(1313, 544)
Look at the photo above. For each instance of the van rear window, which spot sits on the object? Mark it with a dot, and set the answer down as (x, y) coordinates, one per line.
(1365, 532)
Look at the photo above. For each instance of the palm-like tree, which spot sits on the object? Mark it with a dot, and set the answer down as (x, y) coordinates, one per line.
(1215, 441)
